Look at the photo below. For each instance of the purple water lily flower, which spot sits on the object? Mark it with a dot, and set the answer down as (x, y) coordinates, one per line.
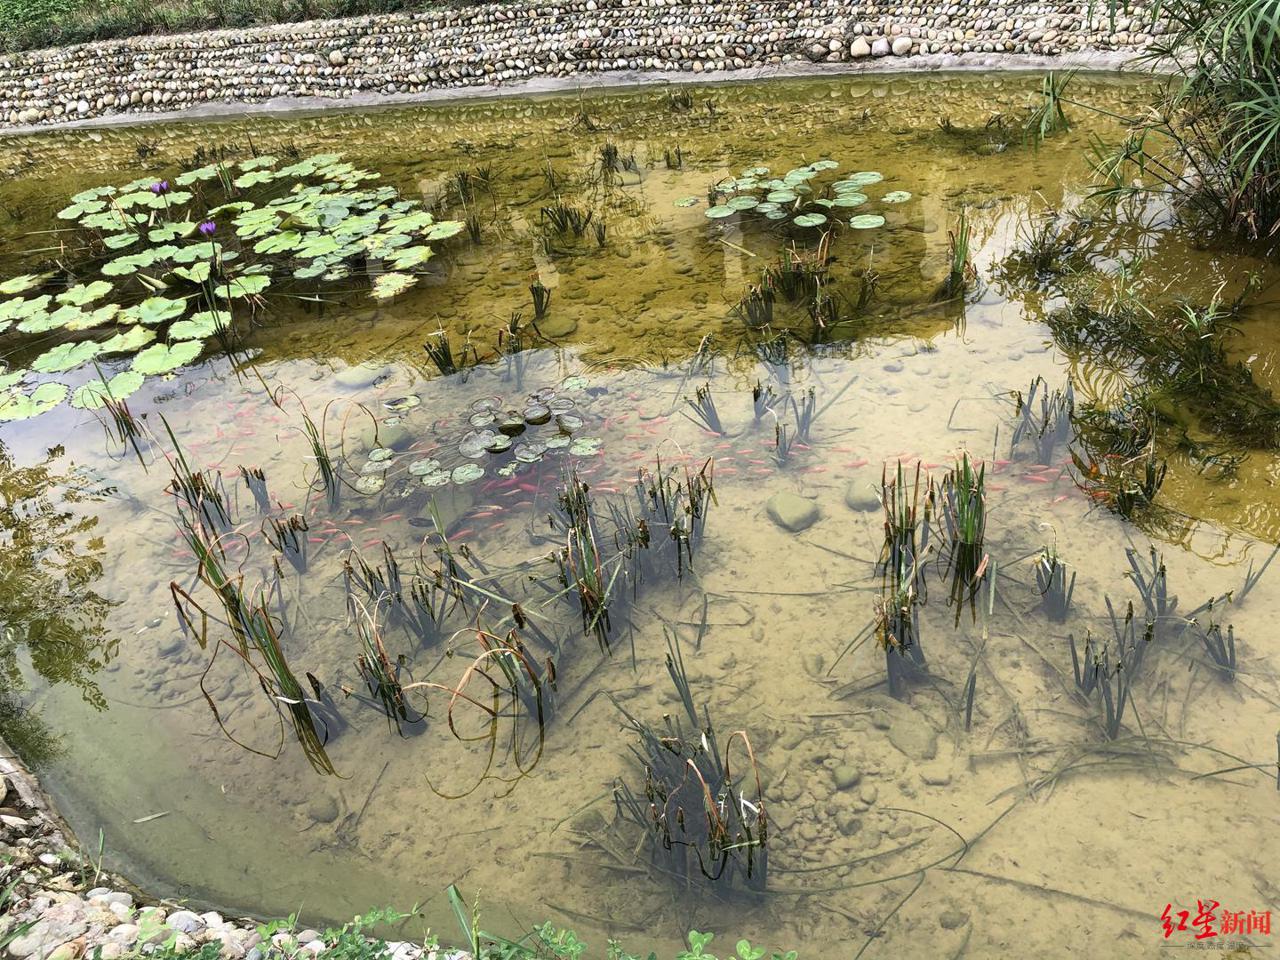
(207, 228)
(159, 187)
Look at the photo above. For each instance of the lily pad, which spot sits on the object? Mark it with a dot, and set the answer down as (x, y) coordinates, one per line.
(896, 196)
(437, 478)
(95, 393)
(809, 220)
(849, 200)
(245, 285)
(66, 356)
(159, 358)
(467, 473)
(530, 452)
(688, 201)
(401, 404)
(370, 483)
(867, 221)
(864, 178)
(420, 468)
(128, 340)
(585, 446)
(16, 405)
(21, 284)
(83, 294)
(743, 203)
(782, 196)
(156, 310)
(389, 285)
(719, 212)
(201, 325)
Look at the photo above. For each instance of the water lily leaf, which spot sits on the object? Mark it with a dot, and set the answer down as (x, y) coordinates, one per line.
(89, 319)
(257, 223)
(467, 473)
(782, 196)
(252, 179)
(16, 405)
(388, 285)
(444, 230)
(437, 478)
(196, 273)
(93, 193)
(402, 404)
(317, 245)
(258, 163)
(200, 173)
(809, 220)
(559, 441)
(235, 206)
(585, 446)
(865, 178)
(128, 340)
(65, 356)
(775, 214)
(245, 285)
(688, 201)
(410, 223)
(370, 483)
(743, 203)
(410, 257)
(171, 231)
(199, 326)
(77, 210)
(819, 165)
(867, 221)
(896, 196)
(118, 241)
(123, 266)
(799, 175)
(44, 322)
(279, 243)
(574, 382)
(719, 212)
(22, 284)
(159, 358)
(849, 200)
(756, 172)
(382, 245)
(156, 310)
(207, 251)
(111, 220)
(95, 393)
(530, 452)
(83, 294)
(20, 309)
(420, 468)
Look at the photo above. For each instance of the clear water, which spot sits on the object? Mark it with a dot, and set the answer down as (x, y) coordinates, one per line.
(1070, 841)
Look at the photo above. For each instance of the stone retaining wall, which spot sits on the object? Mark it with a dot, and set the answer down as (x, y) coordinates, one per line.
(488, 44)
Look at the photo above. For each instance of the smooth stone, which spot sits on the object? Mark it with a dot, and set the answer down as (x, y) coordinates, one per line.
(792, 512)
(393, 436)
(361, 375)
(914, 739)
(846, 776)
(861, 497)
(323, 809)
(185, 921)
(952, 919)
(901, 46)
(555, 327)
(859, 49)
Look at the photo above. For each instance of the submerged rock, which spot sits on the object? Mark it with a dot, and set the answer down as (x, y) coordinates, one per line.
(846, 776)
(861, 496)
(361, 375)
(914, 739)
(792, 512)
(323, 809)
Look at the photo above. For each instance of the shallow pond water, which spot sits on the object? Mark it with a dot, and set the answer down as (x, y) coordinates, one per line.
(1003, 821)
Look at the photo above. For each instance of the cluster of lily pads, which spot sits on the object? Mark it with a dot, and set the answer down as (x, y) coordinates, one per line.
(795, 196)
(150, 271)
(497, 431)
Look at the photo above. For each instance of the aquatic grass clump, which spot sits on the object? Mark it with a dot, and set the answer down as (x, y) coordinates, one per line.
(1127, 486)
(584, 567)
(201, 494)
(419, 603)
(326, 470)
(1048, 424)
(1055, 589)
(693, 812)
(381, 675)
(755, 309)
(1046, 116)
(908, 509)
(256, 481)
(563, 218)
(704, 412)
(541, 299)
(288, 536)
(963, 506)
(962, 274)
(763, 400)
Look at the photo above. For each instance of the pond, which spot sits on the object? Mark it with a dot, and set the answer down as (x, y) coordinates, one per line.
(631, 508)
